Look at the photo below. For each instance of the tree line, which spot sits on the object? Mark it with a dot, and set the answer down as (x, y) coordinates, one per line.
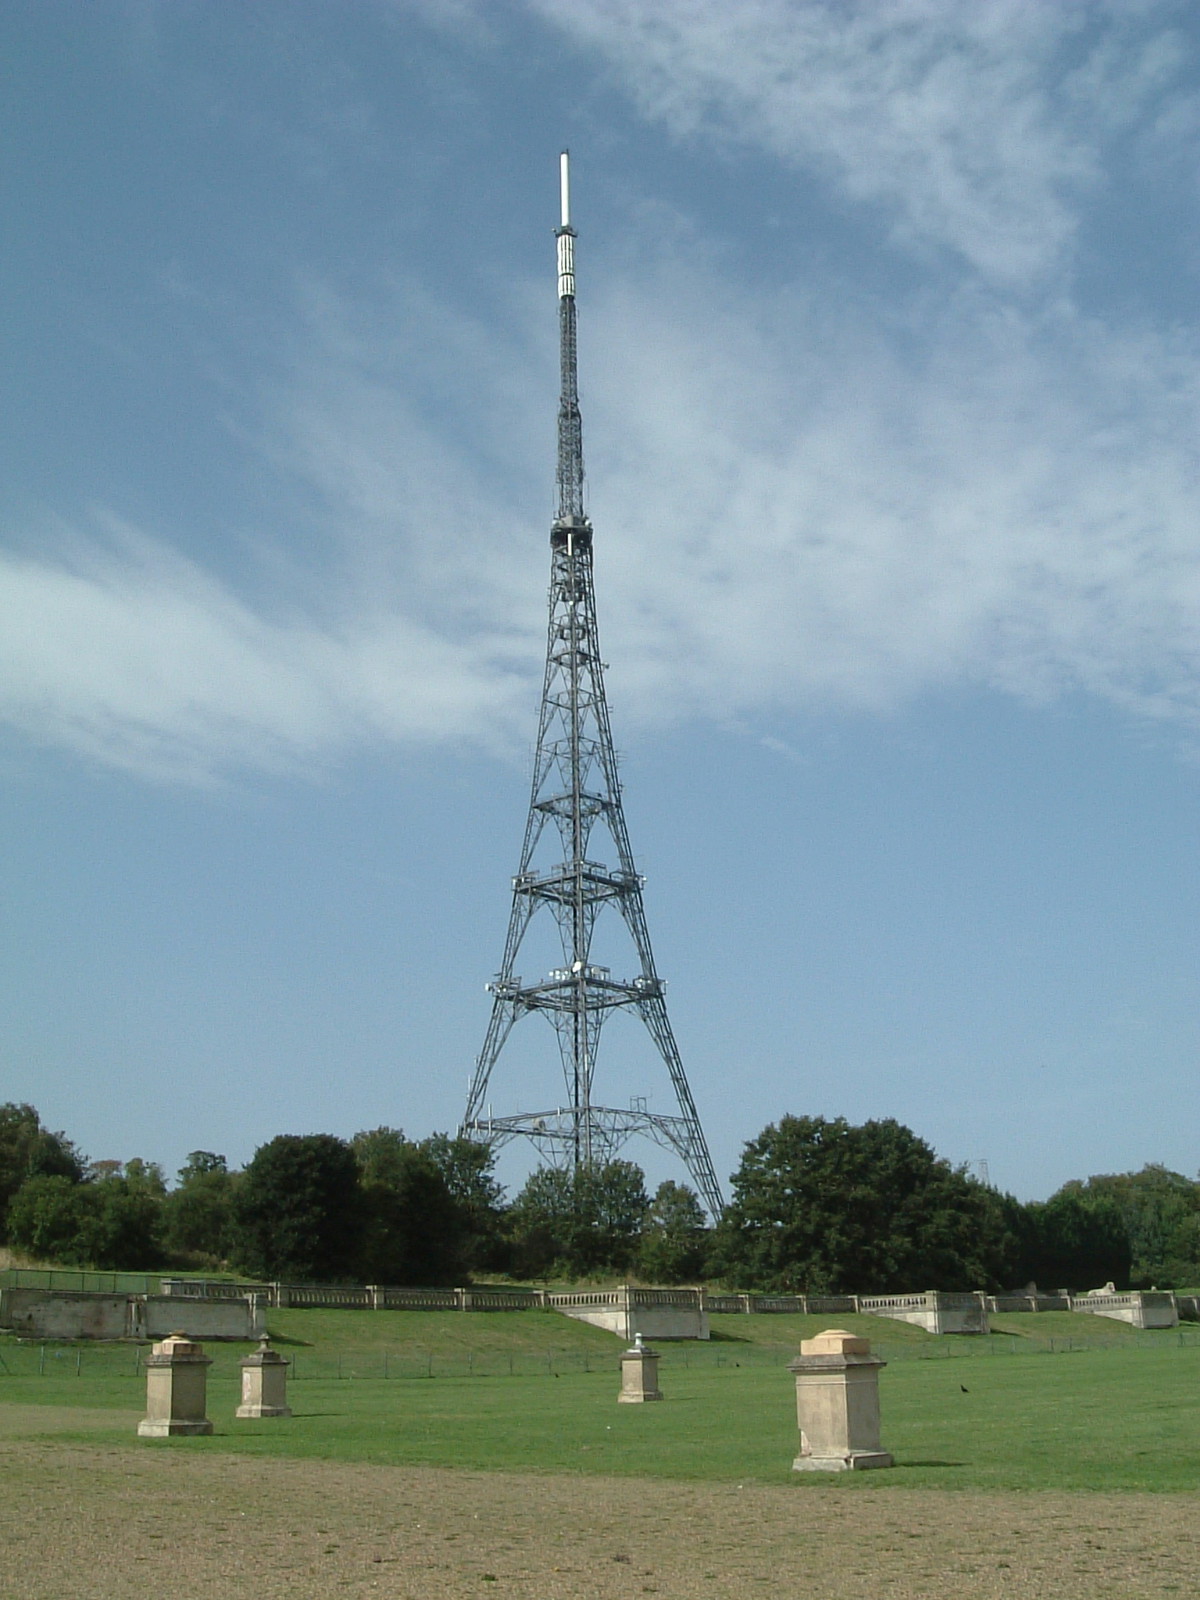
(817, 1206)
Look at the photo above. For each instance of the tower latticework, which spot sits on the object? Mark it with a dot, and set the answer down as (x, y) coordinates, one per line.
(576, 796)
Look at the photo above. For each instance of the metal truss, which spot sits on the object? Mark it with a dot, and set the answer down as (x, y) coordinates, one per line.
(575, 798)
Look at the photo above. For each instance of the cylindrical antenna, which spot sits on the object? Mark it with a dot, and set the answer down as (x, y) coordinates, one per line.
(566, 233)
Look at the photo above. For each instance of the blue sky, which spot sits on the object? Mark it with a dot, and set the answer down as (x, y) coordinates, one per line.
(891, 387)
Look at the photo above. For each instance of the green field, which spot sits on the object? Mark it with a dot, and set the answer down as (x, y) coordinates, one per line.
(532, 1391)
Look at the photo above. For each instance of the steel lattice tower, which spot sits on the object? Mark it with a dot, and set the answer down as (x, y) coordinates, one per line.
(575, 788)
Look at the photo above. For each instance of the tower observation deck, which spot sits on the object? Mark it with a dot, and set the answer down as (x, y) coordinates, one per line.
(574, 803)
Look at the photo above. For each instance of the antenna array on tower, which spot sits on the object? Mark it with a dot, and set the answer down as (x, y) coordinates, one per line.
(576, 791)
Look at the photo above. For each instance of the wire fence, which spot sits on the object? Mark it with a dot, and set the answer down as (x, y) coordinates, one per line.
(48, 1359)
(79, 1280)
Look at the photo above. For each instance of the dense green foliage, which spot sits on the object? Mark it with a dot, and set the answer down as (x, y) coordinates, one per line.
(576, 1224)
(414, 1230)
(467, 1169)
(1073, 1242)
(674, 1243)
(109, 1223)
(826, 1207)
(28, 1150)
(817, 1206)
(196, 1221)
(298, 1211)
(1160, 1212)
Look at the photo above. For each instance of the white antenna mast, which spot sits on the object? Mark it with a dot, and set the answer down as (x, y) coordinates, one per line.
(566, 233)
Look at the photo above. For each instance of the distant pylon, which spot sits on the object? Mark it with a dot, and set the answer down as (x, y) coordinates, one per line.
(576, 789)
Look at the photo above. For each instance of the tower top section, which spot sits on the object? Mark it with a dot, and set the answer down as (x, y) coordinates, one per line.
(571, 523)
(566, 233)
(564, 186)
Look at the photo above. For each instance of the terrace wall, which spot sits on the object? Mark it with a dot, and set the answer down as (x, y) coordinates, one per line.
(1142, 1308)
(80, 1314)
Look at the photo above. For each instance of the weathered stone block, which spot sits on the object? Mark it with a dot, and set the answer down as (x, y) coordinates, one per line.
(176, 1389)
(264, 1384)
(639, 1375)
(837, 1404)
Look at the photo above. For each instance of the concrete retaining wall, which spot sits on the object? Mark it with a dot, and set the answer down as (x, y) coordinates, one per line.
(933, 1311)
(1028, 1302)
(50, 1314)
(1142, 1308)
(200, 1319)
(654, 1313)
(63, 1314)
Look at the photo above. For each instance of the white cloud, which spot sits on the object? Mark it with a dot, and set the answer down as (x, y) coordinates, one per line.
(800, 500)
(976, 127)
(814, 517)
(793, 509)
(125, 653)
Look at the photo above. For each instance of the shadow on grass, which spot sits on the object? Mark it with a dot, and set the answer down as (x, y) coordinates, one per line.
(901, 1465)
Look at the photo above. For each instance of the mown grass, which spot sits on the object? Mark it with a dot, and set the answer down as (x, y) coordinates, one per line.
(1121, 1417)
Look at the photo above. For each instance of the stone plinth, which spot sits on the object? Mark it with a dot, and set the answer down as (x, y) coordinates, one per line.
(264, 1384)
(176, 1388)
(837, 1404)
(639, 1375)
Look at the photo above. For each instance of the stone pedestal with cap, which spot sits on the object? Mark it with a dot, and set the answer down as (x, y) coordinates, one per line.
(264, 1383)
(176, 1389)
(639, 1375)
(837, 1404)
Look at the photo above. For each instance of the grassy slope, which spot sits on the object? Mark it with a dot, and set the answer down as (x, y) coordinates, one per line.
(534, 1390)
(1098, 1419)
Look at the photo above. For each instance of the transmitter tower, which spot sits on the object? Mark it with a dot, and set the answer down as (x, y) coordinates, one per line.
(575, 799)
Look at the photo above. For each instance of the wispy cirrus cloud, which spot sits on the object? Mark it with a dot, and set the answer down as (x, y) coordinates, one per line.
(792, 509)
(123, 652)
(976, 128)
(801, 498)
(1011, 507)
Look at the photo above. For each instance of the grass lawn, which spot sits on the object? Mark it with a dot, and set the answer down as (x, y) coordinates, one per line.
(1117, 1417)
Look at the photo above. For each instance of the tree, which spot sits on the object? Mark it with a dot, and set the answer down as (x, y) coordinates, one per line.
(1075, 1242)
(111, 1223)
(674, 1242)
(1160, 1210)
(825, 1207)
(416, 1231)
(579, 1222)
(28, 1150)
(297, 1212)
(466, 1165)
(47, 1218)
(197, 1215)
(121, 1224)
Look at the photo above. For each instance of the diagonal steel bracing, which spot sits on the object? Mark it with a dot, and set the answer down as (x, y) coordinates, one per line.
(575, 800)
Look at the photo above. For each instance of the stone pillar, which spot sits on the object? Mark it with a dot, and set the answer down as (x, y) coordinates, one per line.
(623, 1302)
(639, 1375)
(837, 1404)
(176, 1385)
(264, 1384)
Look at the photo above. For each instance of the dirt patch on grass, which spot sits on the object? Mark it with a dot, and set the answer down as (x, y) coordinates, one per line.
(88, 1521)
